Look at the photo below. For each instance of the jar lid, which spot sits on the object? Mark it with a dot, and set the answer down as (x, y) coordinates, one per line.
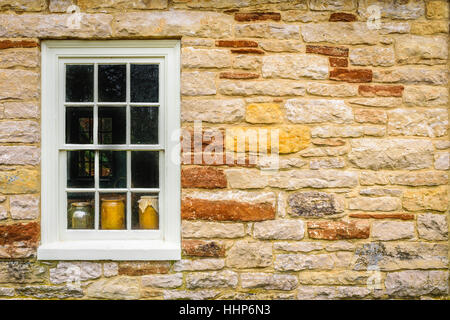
(81, 204)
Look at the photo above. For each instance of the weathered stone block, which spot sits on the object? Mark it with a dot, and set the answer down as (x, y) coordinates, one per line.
(18, 84)
(424, 178)
(267, 30)
(372, 56)
(370, 116)
(442, 161)
(222, 279)
(21, 272)
(205, 58)
(340, 33)
(411, 75)
(173, 23)
(437, 10)
(332, 90)
(269, 281)
(327, 163)
(197, 84)
(432, 226)
(199, 265)
(163, 281)
(401, 255)
(200, 229)
(392, 230)
(413, 49)
(96, 5)
(125, 288)
(55, 26)
(269, 88)
(50, 292)
(314, 204)
(24, 207)
(330, 5)
(279, 230)
(19, 131)
(426, 199)
(293, 180)
(297, 262)
(375, 154)
(20, 155)
(68, 271)
(411, 9)
(415, 283)
(295, 67)
(333, 131)
(374, 204)
(317, 111)
(426, 96)
(249, 254)
(28, 58)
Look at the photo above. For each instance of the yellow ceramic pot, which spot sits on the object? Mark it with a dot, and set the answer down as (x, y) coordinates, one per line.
(148, 212)
(113, 214)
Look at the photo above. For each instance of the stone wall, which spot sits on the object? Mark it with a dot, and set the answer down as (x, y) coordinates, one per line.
(362, 112)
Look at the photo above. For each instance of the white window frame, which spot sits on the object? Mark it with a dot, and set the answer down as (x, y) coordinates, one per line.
(58, 243)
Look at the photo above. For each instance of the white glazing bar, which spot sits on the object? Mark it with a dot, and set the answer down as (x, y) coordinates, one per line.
(97, 160)
(97, 195)
(128, 141)
(112, 147)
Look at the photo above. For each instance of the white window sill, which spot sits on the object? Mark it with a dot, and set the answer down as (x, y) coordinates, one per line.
(110, 250)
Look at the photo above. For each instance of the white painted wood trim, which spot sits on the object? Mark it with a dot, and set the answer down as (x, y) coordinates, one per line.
(164, 244)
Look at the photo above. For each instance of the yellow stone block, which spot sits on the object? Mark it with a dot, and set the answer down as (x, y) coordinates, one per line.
(19, 181)
(426, 199)
(437, 9)
(252, 139)
(263, 113)
(429, 27)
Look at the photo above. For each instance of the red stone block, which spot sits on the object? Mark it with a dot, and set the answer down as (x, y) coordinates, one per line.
(338, 230)
(236, 43)
(342, 16)
(203, 177)
(201, 248)
(257, 16)
(351, 75)
(143, 268)
(328, 51)
(402, 216)
(338, 62)
(227, 210)
(7, 44)
(380, 90)
(247, 51)
(238, 75)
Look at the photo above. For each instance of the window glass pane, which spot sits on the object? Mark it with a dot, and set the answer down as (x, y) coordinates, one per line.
(113, 169)
(144, 125)
(79, 83)
(112, 125)
(80, 210)
(80, 169)
(112, 81)
(79, 125)
(144, 211)
(144, 169)
(144, 83)
(113, 208)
